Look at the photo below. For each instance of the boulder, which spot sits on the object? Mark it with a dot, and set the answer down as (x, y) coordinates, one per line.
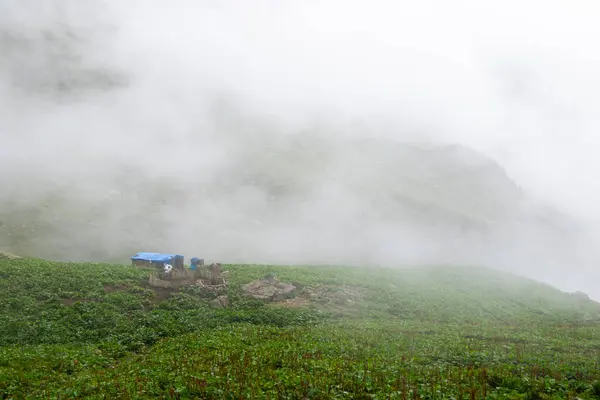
(270, 289)
(220, 302)
(224, 300)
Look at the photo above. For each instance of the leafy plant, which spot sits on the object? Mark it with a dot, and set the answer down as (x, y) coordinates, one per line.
(97, 331)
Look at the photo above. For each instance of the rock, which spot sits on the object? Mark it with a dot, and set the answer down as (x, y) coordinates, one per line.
(269, 289)
(224, 301)
(10, 256)
(216, 303)
(220, 302)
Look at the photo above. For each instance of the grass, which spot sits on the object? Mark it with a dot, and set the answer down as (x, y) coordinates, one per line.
(97, 331)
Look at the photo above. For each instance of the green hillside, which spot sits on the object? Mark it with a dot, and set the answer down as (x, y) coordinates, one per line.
(99, 331)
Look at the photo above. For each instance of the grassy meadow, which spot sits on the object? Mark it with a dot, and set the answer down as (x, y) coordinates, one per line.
(98, 331)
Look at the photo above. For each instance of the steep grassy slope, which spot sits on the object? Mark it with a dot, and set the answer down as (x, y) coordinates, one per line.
(96, 331)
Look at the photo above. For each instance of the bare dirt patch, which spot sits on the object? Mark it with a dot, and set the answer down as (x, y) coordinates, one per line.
(333, 298)
(340, 295)
(110, 289)
(296, 302)
(161, 294)
(70, 302)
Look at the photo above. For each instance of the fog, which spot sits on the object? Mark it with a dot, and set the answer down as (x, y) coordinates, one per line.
(394, 133)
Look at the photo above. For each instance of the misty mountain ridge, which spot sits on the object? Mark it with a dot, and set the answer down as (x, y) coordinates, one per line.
(306, 200)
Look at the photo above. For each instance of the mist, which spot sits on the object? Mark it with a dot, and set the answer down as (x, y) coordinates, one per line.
(326, 132)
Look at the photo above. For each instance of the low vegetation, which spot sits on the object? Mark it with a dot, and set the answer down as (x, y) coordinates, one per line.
(98, 331)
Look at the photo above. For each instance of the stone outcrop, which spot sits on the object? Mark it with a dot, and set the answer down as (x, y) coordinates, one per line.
(270, 289)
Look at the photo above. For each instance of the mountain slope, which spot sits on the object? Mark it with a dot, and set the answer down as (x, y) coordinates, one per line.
(302, 199)
(44, 302)
(95, 331)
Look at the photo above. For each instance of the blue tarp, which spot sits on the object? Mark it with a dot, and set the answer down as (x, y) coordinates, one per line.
(155, 257)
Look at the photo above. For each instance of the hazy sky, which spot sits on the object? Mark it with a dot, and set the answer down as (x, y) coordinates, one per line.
(516, 80)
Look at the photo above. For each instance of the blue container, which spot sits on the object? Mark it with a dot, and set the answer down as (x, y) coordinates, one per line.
(194, 262)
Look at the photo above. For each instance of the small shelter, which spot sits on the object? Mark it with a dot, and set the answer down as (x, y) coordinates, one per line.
(157, 260)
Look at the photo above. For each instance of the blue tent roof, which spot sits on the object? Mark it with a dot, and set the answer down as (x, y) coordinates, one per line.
(155, 257)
